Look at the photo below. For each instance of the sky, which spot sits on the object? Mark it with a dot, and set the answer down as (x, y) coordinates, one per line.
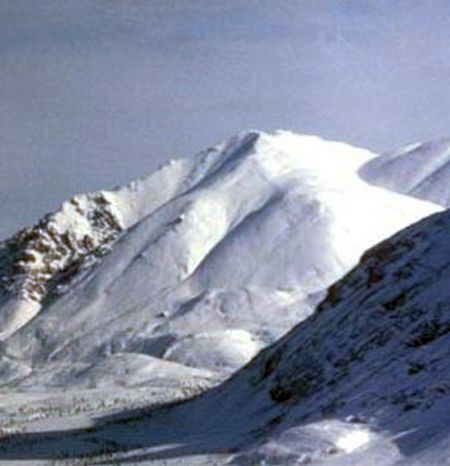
(94, 93)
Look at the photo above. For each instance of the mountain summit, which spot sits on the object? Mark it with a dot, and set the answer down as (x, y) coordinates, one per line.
(203, 263)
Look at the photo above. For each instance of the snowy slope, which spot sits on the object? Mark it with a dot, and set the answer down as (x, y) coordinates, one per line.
(420, 170)
(43, 260)
(365, 380)
(203, 264)
(375, 353)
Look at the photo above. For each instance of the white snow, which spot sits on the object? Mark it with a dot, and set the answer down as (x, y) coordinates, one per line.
(216, 350)
(420, 170)
(351, 441)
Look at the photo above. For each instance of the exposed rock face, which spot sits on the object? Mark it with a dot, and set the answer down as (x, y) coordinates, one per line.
(40, 260)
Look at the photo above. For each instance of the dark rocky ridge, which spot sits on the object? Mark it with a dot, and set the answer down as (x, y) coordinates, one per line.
(40, 260)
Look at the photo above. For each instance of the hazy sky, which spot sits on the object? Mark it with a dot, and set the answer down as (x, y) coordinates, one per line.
(96, 92)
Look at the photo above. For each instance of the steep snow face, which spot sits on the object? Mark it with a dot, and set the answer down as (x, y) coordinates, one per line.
(420, 170)
(240, 240)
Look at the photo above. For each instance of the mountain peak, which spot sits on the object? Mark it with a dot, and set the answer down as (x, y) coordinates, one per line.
(200, 240)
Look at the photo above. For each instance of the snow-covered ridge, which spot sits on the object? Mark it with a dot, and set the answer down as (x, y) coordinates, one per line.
(421, 170)
(86, 226)
(43, 260)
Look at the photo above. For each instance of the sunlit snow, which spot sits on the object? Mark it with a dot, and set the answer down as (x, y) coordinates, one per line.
(353, 440)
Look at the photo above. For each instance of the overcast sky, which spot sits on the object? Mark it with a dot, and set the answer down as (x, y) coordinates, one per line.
(96, 92)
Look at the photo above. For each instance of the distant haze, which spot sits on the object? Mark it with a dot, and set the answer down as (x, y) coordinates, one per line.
(96, 92)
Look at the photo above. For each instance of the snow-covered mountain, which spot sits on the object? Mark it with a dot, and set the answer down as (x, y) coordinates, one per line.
(202, 264)
(364, 380)
(421, 170)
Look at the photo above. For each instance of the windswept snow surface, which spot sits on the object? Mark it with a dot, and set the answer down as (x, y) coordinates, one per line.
(203, 263)
(364, 380)
(420, 170)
